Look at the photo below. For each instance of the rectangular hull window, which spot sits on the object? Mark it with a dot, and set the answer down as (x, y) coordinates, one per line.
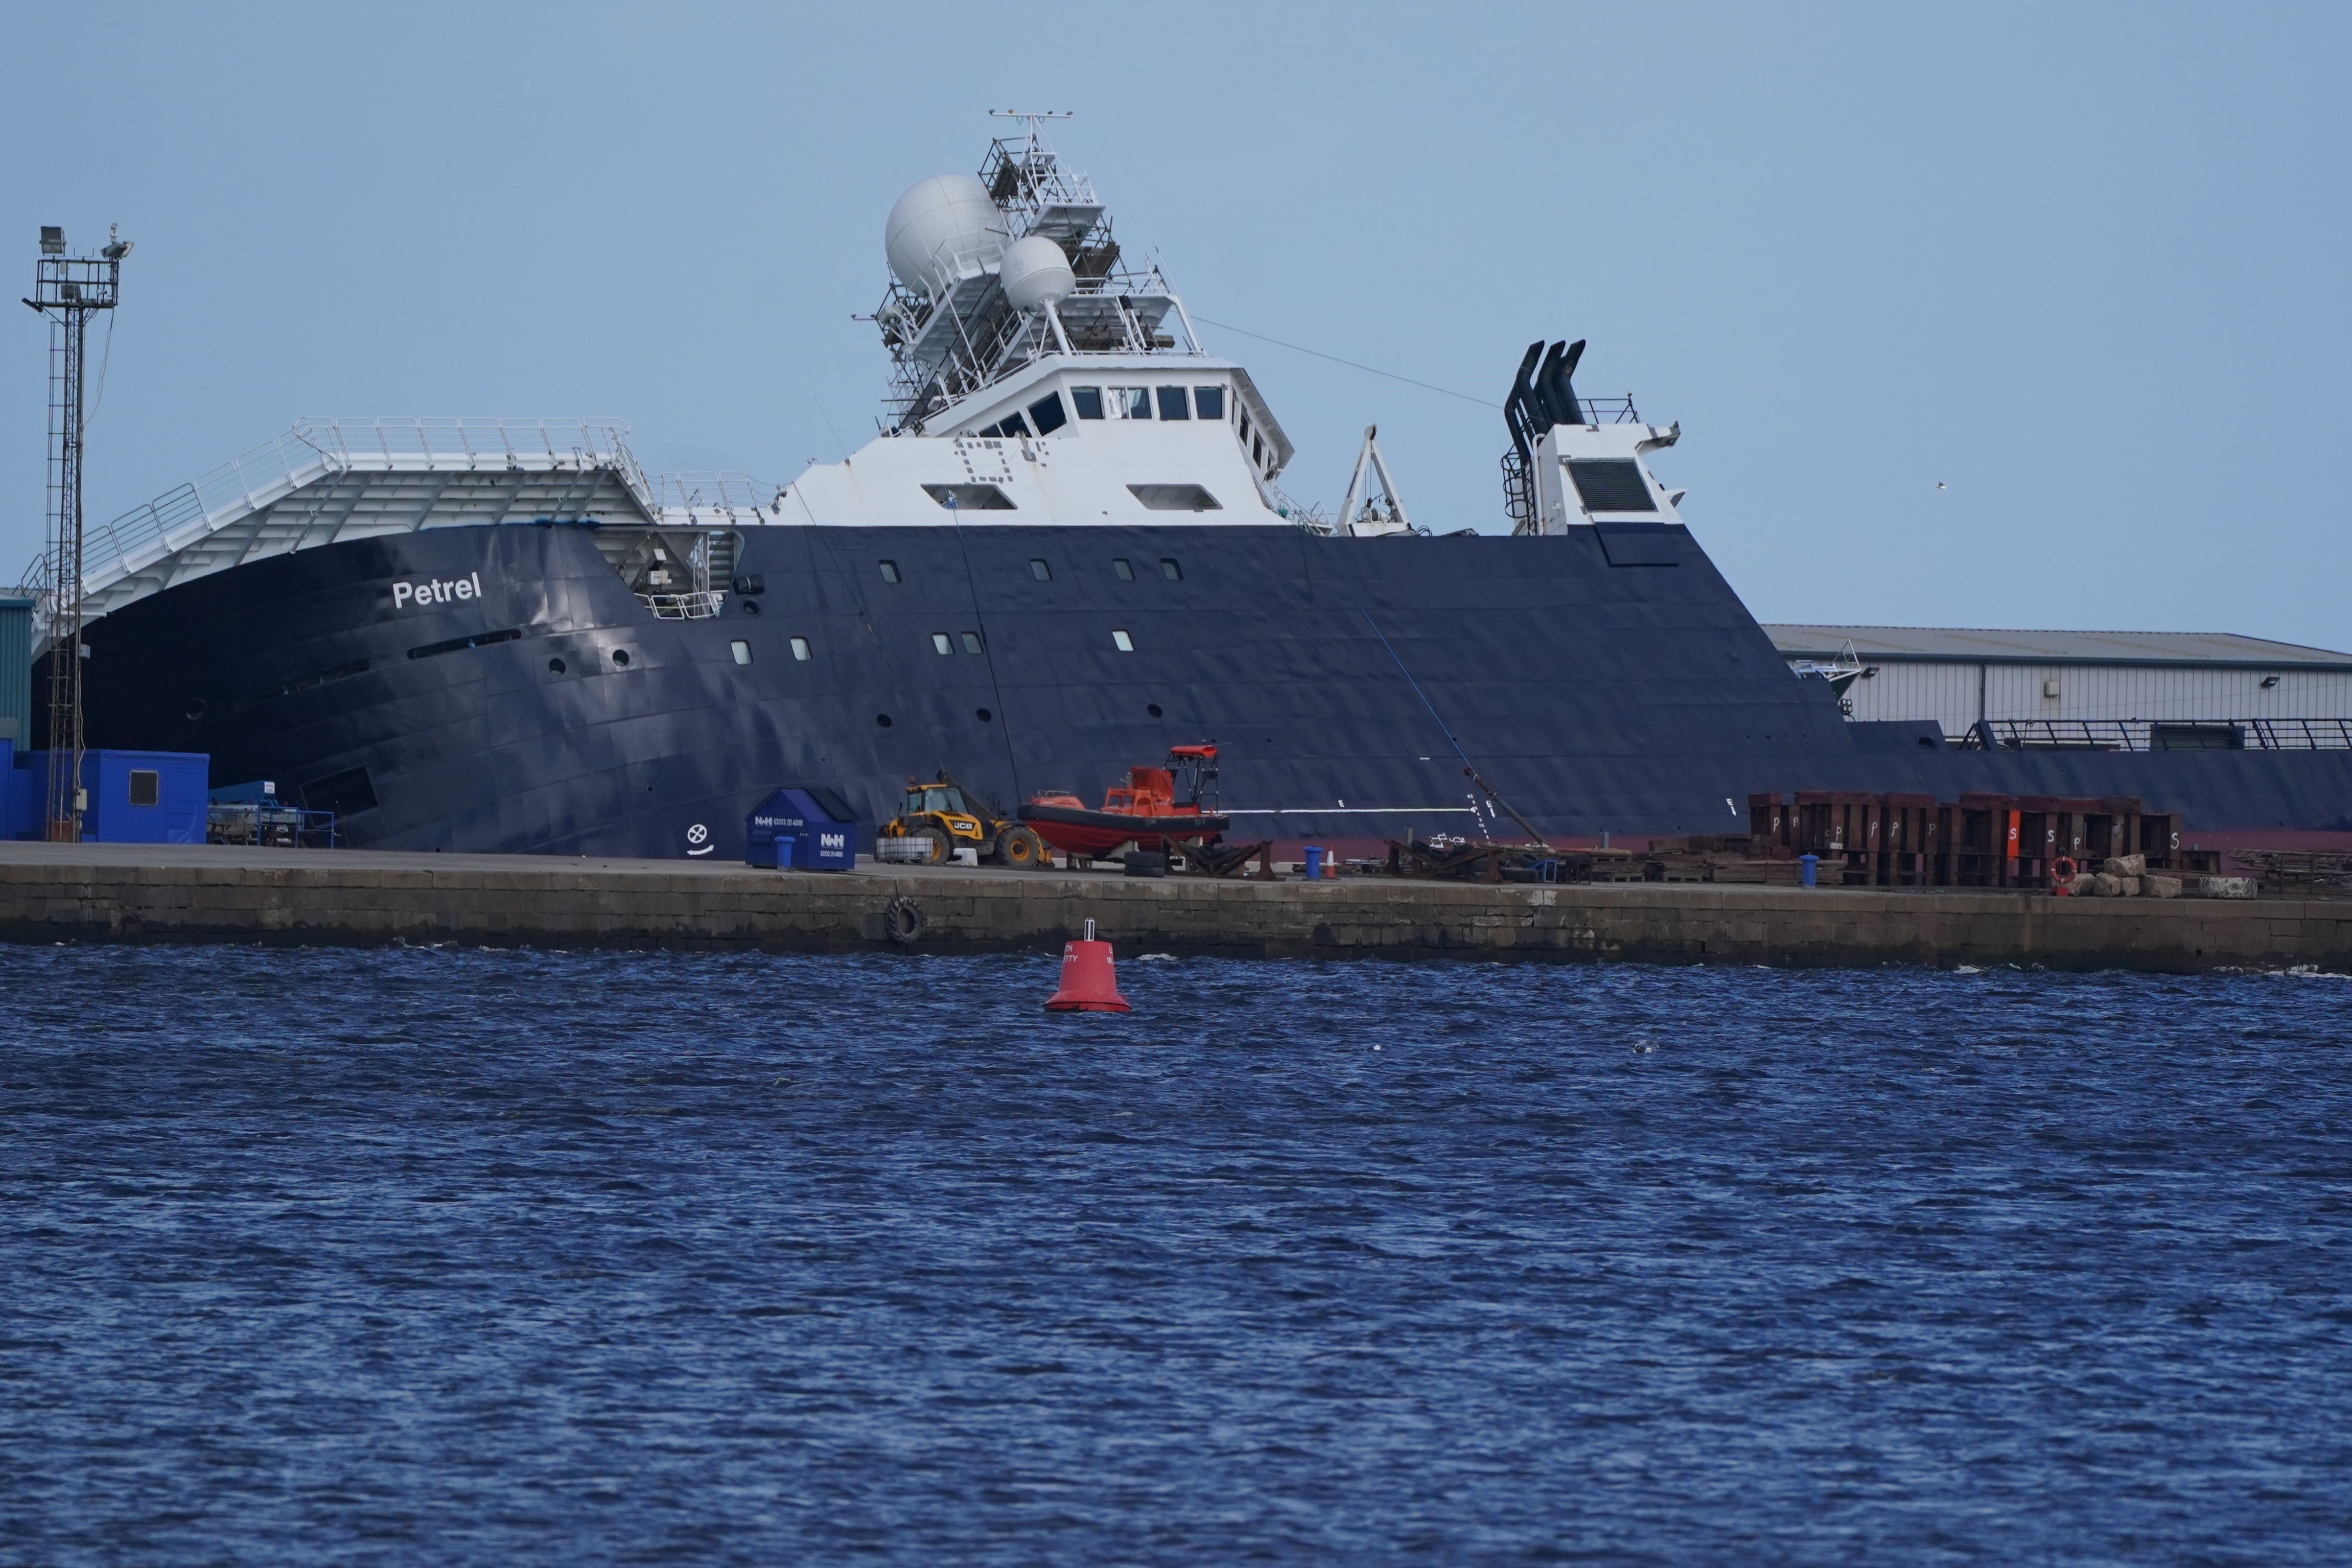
(346, 794)
(741, 650)
(1122, 642)
(972, 643)
(940, 644)
(890, 568)
(801, 649)
(1170, 570)
(1172, 403)
(1175, 497)
(1121, 570)
(1040, 571)
(970, 497)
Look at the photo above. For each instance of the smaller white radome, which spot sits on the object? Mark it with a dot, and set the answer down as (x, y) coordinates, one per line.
(1035, 272)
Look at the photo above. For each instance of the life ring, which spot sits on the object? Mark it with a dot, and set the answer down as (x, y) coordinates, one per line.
(2063, 872)
(902, 920)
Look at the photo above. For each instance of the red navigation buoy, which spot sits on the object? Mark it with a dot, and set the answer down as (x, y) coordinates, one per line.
(1088, 984)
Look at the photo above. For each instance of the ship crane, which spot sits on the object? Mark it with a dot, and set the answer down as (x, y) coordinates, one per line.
(1374, 509)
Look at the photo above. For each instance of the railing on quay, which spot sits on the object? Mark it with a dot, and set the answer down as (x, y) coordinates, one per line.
(2159, 735)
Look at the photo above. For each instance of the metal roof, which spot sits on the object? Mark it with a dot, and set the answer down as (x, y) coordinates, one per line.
(1978, 645)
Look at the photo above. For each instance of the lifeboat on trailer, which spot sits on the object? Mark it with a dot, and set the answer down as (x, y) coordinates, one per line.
(1144, 811)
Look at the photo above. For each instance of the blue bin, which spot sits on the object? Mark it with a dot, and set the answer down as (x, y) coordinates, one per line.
(1806, 866)
(1315, 863)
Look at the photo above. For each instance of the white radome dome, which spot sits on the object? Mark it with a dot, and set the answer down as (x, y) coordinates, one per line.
(1036, 273)
(943, 227)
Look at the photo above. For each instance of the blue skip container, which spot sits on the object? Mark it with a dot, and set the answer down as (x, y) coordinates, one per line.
(802, 829)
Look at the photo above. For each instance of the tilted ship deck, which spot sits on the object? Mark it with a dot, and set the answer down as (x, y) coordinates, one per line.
(1070, 552)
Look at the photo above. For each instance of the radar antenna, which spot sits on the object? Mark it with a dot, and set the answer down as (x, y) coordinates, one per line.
(67, 291)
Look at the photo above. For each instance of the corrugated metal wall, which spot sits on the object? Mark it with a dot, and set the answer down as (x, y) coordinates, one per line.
(16, 672)
(1949, 693)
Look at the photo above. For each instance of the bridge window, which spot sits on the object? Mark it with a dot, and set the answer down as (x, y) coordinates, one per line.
(940, 642)
(1611, 485)
(1121, 570)
(1258, 450)
(801, 649)
(1088, 400)
(1132, 403)
(1210, 402)
(741, 650)
(1047, 411)
(1172, 403)
(970, 497)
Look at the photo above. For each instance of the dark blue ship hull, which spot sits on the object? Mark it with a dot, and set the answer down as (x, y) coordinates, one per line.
(553, 713)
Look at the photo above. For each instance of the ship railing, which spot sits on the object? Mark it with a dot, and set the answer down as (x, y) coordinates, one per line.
(710, 490)
(1610, 410)
(2159, 735)
(316, 447)
(699, 606)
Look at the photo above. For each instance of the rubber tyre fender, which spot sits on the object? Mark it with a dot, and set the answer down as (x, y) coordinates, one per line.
(902, 920)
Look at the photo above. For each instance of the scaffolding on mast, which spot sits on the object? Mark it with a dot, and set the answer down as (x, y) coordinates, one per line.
(68, 290)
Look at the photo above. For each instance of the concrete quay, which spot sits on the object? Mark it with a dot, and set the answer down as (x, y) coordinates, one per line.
(144, 893)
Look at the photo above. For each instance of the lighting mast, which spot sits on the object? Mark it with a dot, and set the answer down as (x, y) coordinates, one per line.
(67, 289)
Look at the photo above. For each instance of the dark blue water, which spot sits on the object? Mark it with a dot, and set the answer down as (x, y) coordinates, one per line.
(456, 1257)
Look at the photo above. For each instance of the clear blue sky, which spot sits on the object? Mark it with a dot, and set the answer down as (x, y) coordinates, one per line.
(2086, 266)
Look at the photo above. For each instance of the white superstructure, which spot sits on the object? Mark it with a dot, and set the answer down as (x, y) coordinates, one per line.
(1039, 375)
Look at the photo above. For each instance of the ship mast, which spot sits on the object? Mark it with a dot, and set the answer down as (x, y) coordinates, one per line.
(67, 290)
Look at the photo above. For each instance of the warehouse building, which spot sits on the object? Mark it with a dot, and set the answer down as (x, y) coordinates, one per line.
(2130, 690)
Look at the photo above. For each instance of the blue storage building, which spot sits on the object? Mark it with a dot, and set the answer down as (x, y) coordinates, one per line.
(134, 797)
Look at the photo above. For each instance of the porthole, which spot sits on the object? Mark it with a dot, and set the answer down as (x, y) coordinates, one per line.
(1153, 708)
(621, 657)
(555, 667)
(801, 649)
(195, 711)
(1123, 569)
(982, 715)
(882, 720)
(750, 607)
(1122, 642)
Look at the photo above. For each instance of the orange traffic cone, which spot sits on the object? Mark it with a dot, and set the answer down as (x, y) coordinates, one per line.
(1088, 984)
